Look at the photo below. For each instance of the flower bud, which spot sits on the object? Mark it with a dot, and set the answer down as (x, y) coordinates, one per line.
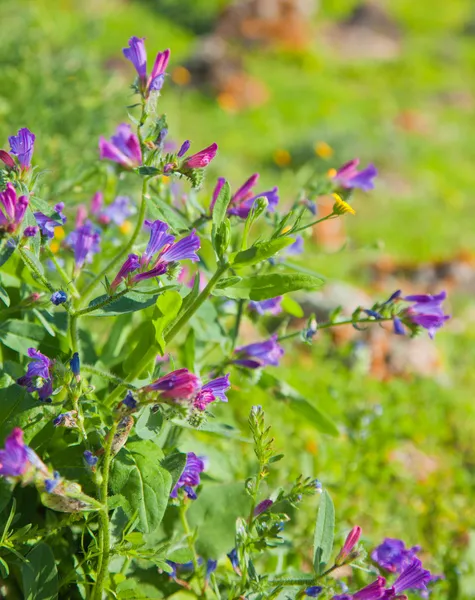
(350, 542)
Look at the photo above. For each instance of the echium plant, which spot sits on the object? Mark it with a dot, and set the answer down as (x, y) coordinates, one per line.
(121, 337)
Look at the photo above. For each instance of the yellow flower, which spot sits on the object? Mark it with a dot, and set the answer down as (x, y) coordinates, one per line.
(125, 227)
(54, 246)
(282, 158)
(181, 76)
(341, 207)
(59, 233)
(331, 173)
(323, 150)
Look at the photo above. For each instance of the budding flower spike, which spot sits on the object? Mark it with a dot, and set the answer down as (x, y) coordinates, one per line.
(137, 55)
(12, 209)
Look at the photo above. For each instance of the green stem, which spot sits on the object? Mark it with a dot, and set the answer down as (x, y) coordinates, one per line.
(186, 316)
(330, 216)
(138, 228)
(104, 539)
(106, 375)
(149, 356)
(334, 324)
(293, 581)
(237, 324)
(191, 546)
(62, 273)
(74, 332)
(98, 305)
(80, 417)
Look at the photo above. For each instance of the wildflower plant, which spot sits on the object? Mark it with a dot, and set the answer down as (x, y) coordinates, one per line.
(122, 344)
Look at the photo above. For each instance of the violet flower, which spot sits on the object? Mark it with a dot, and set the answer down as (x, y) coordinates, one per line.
(58, 297)
(137, 55)
(123, 148)
(38, 377)
(201, 159)
(131, 264)
(211, 391)
(413, 576)
(12, 209)
(349, 177)
(271, 306)
(427, 311)
(48, 224)
(262, 507)
(373, 591)
(243, 199)
(177, 385)
(259, 354)
(30, 231)
(85, 242)
(162, 250)
(117, 211)
(393, 555)
(190, 477)
(22, 145)
(296, 248)
(14, 458)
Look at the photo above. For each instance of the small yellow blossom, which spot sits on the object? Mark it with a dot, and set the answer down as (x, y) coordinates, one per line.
(331, 173)
(323, 150)
(341, 207)
(181, 75)
(54, 246)
(282, 158)
(59, 233)
(126, 227)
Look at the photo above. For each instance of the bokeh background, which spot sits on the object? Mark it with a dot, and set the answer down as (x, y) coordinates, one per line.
(285, 87)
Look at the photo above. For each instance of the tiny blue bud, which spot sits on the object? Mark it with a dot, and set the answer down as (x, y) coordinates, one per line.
(75, 364)
(90, 459)
(59, 297)
(184, 148)
(129, 401)
(313, 591)
(50, 484)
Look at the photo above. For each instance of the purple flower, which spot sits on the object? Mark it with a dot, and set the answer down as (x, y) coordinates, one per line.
(296, 248)
(184, 148)
(48, 224)
(190, 477)
(413, 576)
(12, 209)
(84, 241)
(14, 457)
(38, 377)
(211, 391)
(349, 177)
(31, 231)
(350, 542)
(202, 158)
(234, 560)
(137, 55)
(22, 146)
(124, 147)
(75, 365)
(177, 385)
(130, 265)
(398, 326)
(272, 306)
(90, 459)
(427, 311)
(373, 591)
(165, 248)
(259, 354)
(129, 401)
(313, 591)
(393, 555)
(59, 297)
(211, 566)
(243, 199)
(263, 506)
(116, 212)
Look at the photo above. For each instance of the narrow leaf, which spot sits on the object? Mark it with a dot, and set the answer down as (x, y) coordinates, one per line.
(324, 531)
(259, 252)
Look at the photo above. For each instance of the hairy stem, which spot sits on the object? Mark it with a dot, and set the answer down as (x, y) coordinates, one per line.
(191, 546)
(62, 273)
(335, 324)
(74, 332)
(330, 216)
(106, 375)
(149, 355)
(98, 305)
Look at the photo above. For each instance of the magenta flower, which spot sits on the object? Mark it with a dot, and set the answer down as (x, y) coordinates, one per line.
(162, 250)
(12, 209)
(48, 224)
(85, 242)
(427, 311)
(349, 177)
(271, 306)
(393, 555)
(137, 55)
(259, 354)
(211, 391)
(201, 159)
(14, 458)
(350, 542)
(177, 385)
(131, 264)
(190, 477)
(243, 199)
(123, 148)
(22, 145)
(38, 377)
(373, 591)
(7, 159)
(262, 507)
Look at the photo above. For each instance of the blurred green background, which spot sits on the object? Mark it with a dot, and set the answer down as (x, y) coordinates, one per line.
(392, 84)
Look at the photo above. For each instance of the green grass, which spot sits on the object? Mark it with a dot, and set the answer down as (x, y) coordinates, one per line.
(63, 76)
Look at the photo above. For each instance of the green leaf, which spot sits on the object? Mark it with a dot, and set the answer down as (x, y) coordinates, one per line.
(39, 574)
(149, 423)
(214, 514)
(21, 335)
(145, 484)
(259, 252)
(324, 531)
(221, 206)
(131, 302)
(168, 307)
(4, 297)
(291, 307)
(5, 252)
(162, 210)
(148, 171)
(174, 464)
(263, 287)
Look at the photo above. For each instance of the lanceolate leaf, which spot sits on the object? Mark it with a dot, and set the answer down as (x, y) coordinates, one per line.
(221, 205)
(259, 252)
(262, 287)
(168, 307)
(324, 531)
(39, 574)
